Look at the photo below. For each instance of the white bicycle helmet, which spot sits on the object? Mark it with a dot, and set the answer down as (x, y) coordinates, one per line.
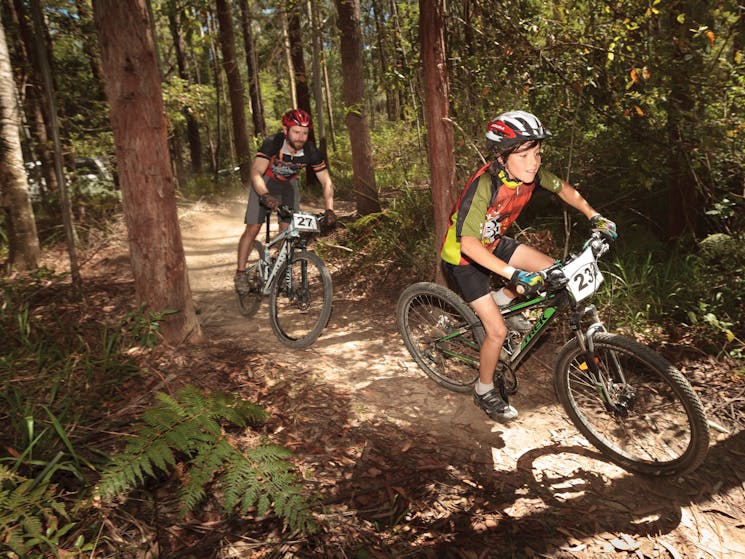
(515, 127)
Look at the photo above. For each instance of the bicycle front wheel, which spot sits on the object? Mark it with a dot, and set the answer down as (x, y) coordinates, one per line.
(249, 302)
(442, 334)
(301, 298)
(638, 409)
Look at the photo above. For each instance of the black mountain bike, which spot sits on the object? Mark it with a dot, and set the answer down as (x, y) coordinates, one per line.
(625, 398)
(296, 280)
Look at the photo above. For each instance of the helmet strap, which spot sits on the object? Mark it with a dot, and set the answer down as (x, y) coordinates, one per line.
(508, 182)
(505, 178)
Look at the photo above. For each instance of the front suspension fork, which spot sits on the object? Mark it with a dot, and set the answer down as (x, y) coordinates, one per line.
(586, 342)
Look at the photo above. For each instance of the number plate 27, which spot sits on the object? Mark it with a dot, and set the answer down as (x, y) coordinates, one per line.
(305, 222)
(584, 276)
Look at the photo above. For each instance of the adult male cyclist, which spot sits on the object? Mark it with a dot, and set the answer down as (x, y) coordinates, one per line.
(476, 246)
(274, 182)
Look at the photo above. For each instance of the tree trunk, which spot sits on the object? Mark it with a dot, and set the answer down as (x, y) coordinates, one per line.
(437, 114)
(354, 97)
(37, 110)
(317, 37)
(252, 69)
(298, 64)
(192, 127)
(133, 88)
(23, 241)
(235, 88)
(288, 55)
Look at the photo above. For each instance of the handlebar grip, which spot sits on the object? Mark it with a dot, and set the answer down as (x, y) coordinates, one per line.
(284, 211)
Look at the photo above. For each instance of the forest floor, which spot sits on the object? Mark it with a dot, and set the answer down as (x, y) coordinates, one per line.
(405, 468)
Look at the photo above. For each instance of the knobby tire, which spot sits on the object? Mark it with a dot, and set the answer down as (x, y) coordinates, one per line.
(658, 425)
(428, 315)
(299, 317)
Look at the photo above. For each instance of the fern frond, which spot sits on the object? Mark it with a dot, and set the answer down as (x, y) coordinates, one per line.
(192, 424)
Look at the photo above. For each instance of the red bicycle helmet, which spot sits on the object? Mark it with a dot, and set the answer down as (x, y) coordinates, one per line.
(515, 127)
(296, 117)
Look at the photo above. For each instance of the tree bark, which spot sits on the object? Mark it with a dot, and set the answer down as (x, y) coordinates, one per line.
(356, 118)
(252, 69)
(235, 89)
(20, 226)
(437, 115)
(133, 88)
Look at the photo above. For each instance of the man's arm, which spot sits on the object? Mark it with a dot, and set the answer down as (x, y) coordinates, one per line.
(324, 178)
(258, 169)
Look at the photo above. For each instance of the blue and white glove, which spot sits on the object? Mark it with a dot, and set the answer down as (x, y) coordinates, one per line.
(605, 226)
(527, 283)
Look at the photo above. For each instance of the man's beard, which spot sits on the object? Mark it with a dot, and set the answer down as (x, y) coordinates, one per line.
(297, 145)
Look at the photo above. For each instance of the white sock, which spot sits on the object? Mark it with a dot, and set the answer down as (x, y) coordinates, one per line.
(482, 389)
(501, 298)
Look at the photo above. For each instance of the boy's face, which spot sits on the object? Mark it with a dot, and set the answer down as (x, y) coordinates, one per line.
(297, 136)
(523, 163)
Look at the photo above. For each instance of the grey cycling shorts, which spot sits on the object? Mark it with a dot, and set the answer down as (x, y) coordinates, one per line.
(286, 192)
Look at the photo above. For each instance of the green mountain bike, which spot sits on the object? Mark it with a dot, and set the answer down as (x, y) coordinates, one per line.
(295, 279)
(625, 398)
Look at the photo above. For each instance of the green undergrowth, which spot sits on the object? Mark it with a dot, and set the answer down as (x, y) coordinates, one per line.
(66, 369)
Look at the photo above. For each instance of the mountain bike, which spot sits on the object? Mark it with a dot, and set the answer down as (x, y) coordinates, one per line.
(296, 280)
(625, 398)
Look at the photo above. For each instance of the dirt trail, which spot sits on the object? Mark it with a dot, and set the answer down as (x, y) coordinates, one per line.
(540, 455)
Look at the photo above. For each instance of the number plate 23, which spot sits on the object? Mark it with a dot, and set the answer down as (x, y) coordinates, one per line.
(305, 222)
(584, 276)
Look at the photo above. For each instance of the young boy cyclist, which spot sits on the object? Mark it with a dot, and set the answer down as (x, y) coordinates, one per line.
(476, 246)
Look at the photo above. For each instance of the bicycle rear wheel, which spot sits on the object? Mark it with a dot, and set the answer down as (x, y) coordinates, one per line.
(248, 303)
(301, 299)
(442, 334)
(651, 421)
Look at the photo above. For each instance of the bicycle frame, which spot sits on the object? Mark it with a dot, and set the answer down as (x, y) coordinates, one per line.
(287, 240)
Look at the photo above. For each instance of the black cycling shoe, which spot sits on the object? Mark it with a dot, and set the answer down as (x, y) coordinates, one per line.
(494, 406)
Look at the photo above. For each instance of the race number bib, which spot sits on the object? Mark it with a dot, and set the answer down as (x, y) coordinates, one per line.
(305, 222)
(584, 276)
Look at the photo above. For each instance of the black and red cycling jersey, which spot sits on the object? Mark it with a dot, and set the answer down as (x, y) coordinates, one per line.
(284, 166)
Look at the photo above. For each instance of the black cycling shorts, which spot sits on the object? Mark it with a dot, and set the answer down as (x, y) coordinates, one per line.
(473, 280)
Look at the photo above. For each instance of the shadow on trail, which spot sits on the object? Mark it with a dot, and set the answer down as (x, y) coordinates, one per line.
(506, 513)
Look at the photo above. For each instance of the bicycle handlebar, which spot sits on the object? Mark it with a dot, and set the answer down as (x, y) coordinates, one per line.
(286, 211)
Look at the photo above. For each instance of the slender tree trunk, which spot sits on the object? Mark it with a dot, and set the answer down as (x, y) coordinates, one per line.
(192, 127)
(89, 46)
(133, 89)
(20, 226)
(288, 56)
(437, 114)
(252, 69)
(235, 88)
(354, 97)
(45, 64)
(298, 63)
(317, 37)
(37, 109)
